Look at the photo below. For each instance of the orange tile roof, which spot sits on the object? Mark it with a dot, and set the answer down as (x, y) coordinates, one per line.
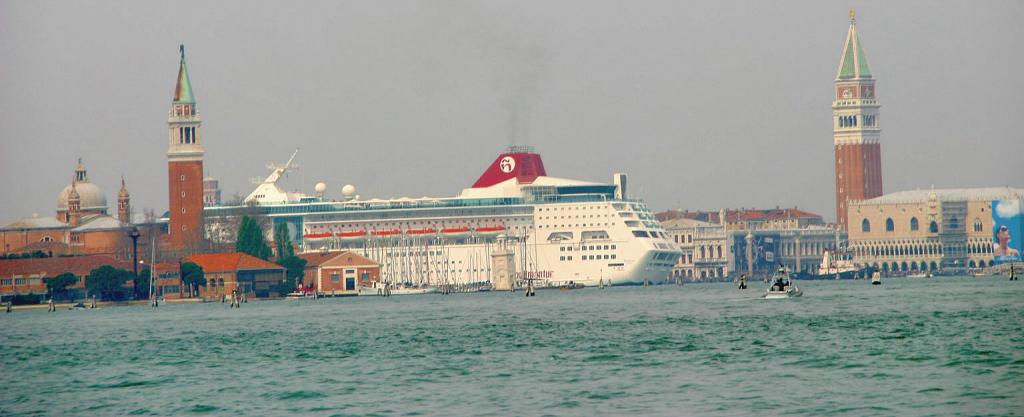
(314, 259)
(232, 261)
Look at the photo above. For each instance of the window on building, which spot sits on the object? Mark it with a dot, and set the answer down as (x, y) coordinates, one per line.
(977, 225)
(890, 225)
(913, 224)
(933, 227)
(865, 225)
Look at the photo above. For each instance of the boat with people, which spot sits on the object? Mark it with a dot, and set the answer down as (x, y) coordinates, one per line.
(782, 286)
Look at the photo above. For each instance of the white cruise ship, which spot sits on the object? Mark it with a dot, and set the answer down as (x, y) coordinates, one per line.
(556, 230)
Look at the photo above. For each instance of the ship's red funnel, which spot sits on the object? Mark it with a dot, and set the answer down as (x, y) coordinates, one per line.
(517, 162)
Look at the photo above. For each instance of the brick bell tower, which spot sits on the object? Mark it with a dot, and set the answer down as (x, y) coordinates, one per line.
(855, 128)
(184, 165)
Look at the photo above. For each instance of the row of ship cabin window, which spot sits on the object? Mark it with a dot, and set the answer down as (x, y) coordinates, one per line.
(585, 247)
(587, 257)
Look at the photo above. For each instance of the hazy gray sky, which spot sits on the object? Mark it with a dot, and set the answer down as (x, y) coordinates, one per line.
(705, 104)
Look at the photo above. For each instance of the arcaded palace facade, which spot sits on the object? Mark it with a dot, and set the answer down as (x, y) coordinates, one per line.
(926, 230)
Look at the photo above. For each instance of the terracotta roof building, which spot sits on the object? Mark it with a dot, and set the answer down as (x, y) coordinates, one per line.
(747, 219)
(226, 272)
(338, 272)
(25, 276)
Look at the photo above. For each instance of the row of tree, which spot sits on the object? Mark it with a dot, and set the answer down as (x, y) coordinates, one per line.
(108, 282)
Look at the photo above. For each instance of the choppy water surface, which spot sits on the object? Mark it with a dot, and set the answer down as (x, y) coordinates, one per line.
(941, 346)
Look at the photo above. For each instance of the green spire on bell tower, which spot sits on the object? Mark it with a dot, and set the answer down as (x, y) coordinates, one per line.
(853, 65)
(183, 91)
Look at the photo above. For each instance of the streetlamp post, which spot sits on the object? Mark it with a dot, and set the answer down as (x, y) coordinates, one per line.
(134, 234)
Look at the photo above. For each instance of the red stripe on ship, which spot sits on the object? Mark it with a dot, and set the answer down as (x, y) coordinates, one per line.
(351, 235)
(421, 232)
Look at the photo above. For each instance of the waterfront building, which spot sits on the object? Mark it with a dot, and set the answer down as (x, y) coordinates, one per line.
(184, 166)
(338, 272)
(855, 128)
(749, 219)
(226, 272)
(704, 247)
(81, 224)
(927, 230)
(27, 275)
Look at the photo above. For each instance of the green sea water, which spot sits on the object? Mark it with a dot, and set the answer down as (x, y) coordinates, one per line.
(939, 346)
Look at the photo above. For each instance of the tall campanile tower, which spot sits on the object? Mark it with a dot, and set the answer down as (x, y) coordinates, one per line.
(855, 128)
(185, 165)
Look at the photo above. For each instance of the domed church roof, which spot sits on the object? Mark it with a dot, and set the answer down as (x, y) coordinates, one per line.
(91, 196)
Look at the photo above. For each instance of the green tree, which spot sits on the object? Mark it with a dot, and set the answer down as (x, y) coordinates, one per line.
(142, 284)
(192, 277)
(58, 285)
(283, 241)
(107, 282)
(295, 269)
(250, 239)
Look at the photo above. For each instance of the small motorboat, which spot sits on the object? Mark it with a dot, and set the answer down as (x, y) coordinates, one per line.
(484, 288)
(571, 286)
(782, 286)
(77, 306)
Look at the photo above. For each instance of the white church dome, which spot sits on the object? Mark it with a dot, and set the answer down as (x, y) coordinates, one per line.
(92, 197)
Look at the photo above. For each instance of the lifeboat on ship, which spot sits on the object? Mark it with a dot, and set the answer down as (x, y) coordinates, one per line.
(490, 231)
(350, 236)
(421, 232)
(386, 233)
(455, 232)
(316, 237)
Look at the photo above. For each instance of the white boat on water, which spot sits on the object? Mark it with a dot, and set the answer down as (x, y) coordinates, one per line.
(782, 287)
(379, 289)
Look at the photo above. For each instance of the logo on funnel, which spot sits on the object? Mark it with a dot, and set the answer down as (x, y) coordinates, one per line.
(507, 164)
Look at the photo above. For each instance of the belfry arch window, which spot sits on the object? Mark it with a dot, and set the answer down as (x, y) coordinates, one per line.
(865, 225)
(913, 224)
(889, 225)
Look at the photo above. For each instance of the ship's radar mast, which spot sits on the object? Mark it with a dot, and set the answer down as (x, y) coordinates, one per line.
(268, 192)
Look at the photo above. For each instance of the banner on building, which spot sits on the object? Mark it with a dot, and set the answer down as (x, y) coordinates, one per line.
(763, 251)
(1007, 230)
